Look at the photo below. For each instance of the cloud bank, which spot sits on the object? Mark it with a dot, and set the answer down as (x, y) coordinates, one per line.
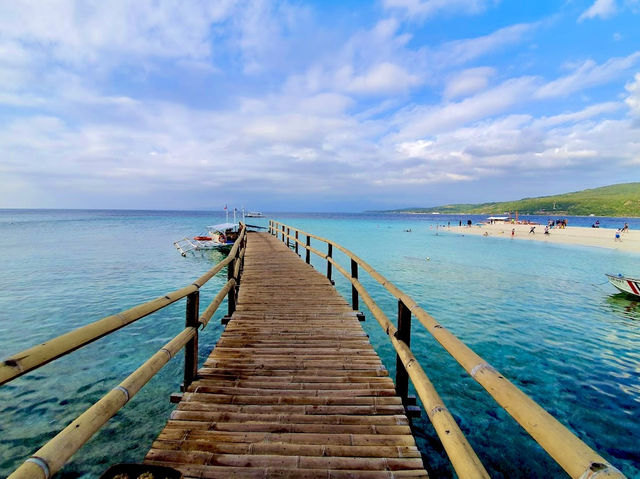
(188, 105)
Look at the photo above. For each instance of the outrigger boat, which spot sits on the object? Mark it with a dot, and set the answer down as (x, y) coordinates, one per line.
(220, 237)
(625, 284)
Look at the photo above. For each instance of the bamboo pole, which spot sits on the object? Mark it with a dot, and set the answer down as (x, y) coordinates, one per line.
(53, 455)
(462, 456)
(215, 304)
(191, 348)
(573, 455)
(36, 356)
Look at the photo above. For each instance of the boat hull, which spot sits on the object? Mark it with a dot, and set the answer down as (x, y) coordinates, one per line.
(625, 284)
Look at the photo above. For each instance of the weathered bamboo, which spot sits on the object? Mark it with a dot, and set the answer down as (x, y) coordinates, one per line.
(403, 334)
(191, 348)
(53, 455)
(354, 292)
(215, 304)
(573, 455)
(32, 358)
(462, 456)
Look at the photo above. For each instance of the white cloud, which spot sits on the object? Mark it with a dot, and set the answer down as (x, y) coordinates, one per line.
(422, 122)
(468, 82)
(587, 75)
(633, 100)
(462, 51)
(582, 115)
(429, 8)
(601, 8)
(382, 78)
(358, 107)
(85, 31)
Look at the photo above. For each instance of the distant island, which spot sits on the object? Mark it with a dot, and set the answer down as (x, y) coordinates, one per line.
(615, 200)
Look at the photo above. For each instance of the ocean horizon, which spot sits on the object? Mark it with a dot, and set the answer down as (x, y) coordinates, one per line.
(542, 314)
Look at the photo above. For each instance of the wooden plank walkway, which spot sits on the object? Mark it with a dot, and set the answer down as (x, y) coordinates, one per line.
(292, 389)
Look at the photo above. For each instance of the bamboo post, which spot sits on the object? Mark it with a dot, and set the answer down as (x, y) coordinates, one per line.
(329, 256)
(297, 242)
(403, 334)
(231, 300)
(288, 233)
(191, 349)
(308, 256)
(283, 233)
(354, 291)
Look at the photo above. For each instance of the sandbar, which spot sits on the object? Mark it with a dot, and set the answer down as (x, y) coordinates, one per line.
(571, 235)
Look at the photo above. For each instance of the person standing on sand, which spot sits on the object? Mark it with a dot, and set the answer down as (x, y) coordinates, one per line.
(617, 235)
(513, 232)
(532, 230)
(625, 229)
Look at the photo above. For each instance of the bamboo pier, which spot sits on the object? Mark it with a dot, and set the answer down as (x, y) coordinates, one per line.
(292, 389)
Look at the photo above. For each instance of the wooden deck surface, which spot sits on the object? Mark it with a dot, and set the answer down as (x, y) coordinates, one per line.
(292, 389)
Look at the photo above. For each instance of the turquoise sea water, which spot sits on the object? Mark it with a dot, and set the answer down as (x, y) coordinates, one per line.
(541, 314)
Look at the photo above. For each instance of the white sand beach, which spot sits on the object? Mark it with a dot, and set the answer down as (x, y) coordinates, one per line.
(575, 235)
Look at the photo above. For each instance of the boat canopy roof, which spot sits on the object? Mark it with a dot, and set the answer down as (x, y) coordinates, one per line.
(223, 227)
(498, 218)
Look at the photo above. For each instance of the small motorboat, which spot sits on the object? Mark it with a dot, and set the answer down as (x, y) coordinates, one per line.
(625, 284)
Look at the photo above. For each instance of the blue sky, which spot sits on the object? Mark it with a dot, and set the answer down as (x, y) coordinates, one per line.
(314, 106)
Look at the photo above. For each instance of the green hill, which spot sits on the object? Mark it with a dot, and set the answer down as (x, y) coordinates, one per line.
(614, 200)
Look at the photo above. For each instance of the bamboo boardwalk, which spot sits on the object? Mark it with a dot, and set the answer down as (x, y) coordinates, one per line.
(292, 389)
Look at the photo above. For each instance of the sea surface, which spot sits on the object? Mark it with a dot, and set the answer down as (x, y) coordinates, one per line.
(542, 314)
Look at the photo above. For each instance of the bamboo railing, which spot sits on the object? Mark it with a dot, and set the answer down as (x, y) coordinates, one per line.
(574, 456)
(54, 454)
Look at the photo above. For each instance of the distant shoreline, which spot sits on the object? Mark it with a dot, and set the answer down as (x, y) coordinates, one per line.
(554, 215)
(571, 235)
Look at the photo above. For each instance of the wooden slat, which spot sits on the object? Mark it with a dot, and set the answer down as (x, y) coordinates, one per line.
(292, 389)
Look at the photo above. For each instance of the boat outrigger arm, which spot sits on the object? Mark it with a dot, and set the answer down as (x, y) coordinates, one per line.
(185, 245)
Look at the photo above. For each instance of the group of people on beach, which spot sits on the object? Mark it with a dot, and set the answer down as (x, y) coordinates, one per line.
(619, 231)
(560, 224)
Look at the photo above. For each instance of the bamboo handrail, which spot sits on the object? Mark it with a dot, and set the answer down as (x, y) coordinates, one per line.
(572, 454)
(20, 363)
(55, 453)
(215, 304)
(463, 458)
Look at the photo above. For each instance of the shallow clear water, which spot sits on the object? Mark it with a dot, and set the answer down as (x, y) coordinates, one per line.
(542, 314)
